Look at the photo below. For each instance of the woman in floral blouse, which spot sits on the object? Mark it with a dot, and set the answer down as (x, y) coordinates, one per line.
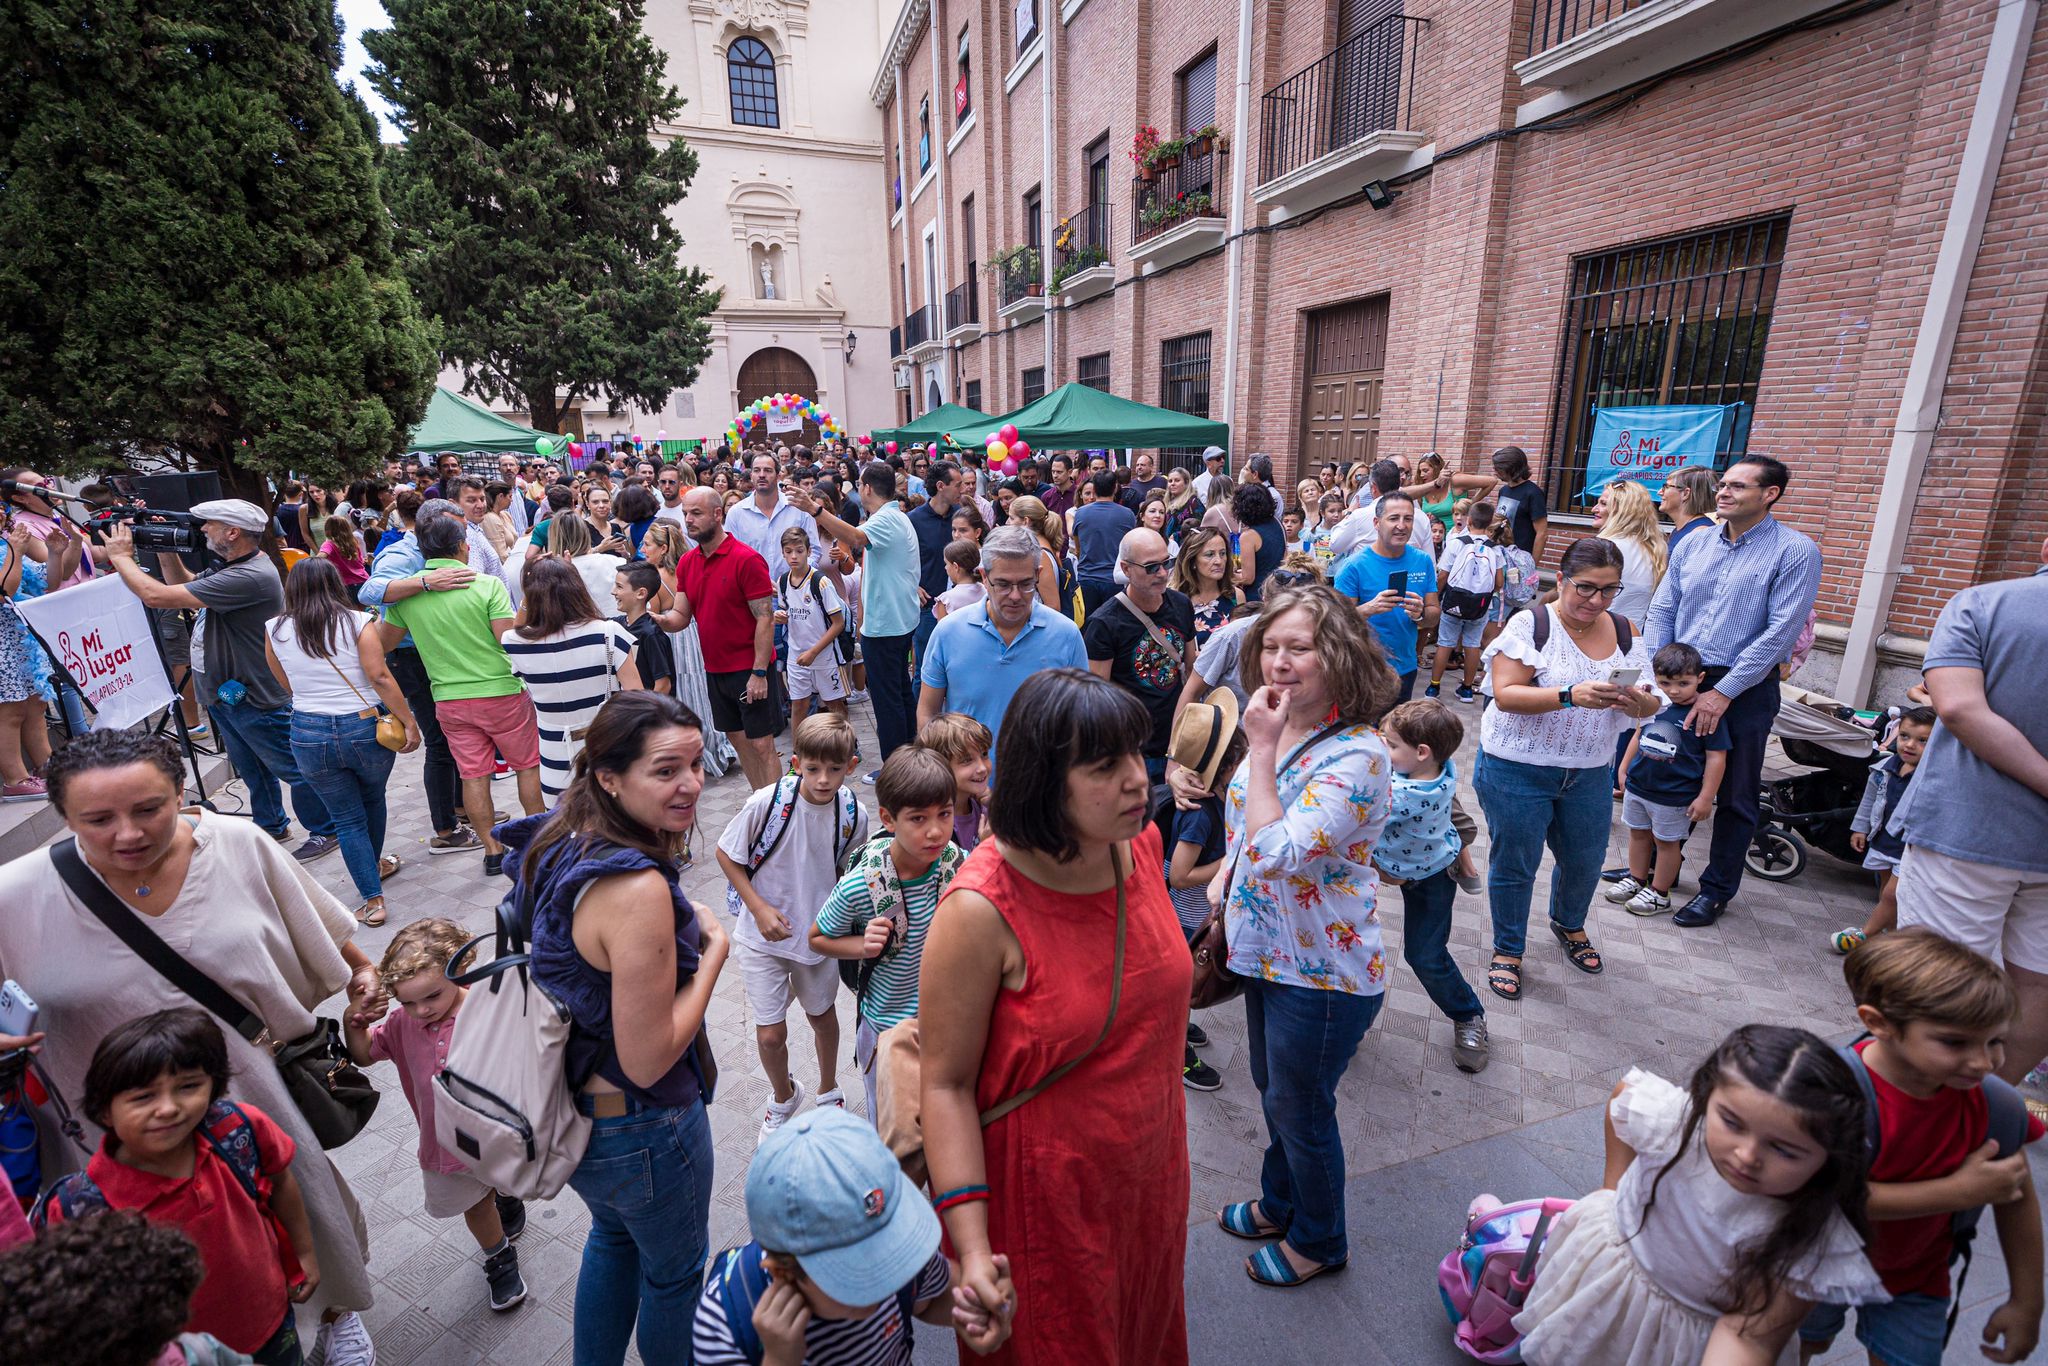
(1299, 892)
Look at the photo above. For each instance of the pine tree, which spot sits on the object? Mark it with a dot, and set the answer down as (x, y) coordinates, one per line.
(531, 198)
(194, 261)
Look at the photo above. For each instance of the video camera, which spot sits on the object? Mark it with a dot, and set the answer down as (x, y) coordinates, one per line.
(153, 529)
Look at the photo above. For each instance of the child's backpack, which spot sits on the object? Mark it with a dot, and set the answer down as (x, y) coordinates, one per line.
(775, 824)
(1468, 578)
(885, 897)
(2007, 1128)
(738, 1279)
(502, 1101)
(226, 1130)
(1486, 1278)
(1519, 574)
(818, 597)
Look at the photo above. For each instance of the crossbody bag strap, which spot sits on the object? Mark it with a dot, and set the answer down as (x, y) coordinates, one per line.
(1151, 628)
(1116, 996)
(146, 945)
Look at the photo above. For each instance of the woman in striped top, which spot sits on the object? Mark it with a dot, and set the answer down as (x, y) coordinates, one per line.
(571, 658)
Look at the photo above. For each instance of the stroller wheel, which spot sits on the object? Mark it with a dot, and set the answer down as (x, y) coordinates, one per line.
(1775, 854)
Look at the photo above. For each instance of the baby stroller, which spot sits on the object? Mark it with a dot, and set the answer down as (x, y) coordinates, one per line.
(1836, 745)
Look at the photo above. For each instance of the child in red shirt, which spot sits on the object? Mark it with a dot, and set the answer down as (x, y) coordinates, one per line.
(1937, 1014)
(218, 1170)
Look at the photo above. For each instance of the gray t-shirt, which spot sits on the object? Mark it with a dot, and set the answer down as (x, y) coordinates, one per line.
(1217, 663)
(239, 598)
(1959, 805)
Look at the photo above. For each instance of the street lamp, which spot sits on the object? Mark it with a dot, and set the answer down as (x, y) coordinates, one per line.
(851, 342)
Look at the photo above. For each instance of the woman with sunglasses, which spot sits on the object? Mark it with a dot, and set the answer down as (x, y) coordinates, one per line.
(1544, 774)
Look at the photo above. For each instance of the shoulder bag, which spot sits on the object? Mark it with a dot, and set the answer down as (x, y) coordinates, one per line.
(1214, 982)
(390, 730)
(336, 1099)
(899, 1079)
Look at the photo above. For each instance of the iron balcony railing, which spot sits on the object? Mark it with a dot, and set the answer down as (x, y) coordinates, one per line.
(1020, 279)
(1555, 21)
(963, 302)
(917, 328)
(1191, 187)
(1363, 86)
(1087, 242)
(895, 341)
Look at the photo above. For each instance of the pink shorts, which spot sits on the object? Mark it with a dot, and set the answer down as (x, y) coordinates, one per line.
(480, 728)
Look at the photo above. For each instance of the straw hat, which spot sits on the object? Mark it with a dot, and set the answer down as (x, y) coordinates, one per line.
(1203, 732)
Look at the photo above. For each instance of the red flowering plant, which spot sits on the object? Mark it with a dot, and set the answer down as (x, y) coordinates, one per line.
(1144, 145)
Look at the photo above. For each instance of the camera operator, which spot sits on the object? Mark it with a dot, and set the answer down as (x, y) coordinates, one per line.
(250, 708)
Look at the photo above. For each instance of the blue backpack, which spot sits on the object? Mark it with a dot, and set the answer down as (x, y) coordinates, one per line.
(739, 1280)
(226, 1130)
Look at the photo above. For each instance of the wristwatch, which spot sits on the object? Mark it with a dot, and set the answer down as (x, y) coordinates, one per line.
(760, 673)
(1564, 698)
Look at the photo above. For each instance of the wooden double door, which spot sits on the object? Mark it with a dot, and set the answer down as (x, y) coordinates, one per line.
(1346, 378)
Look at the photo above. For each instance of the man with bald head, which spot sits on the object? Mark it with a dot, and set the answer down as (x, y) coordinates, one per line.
(725, 587)
(1143, 639)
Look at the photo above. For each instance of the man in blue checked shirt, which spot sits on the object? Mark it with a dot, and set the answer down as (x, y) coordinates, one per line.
(1738, 595)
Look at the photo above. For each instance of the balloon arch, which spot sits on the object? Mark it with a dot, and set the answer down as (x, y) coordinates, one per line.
(757, 413)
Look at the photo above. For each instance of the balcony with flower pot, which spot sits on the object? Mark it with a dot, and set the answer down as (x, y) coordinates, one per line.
(1020, 277)
(1083, 270)
(1342, 121)
(1177, 197)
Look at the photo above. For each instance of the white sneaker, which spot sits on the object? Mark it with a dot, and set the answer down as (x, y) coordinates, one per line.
(779, 1111)
(1619, 892)
(857, 695)
(345, 1342)
(1648, 901)
(832, 1097)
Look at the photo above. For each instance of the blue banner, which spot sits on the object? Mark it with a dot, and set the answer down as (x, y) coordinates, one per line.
(1646, 444)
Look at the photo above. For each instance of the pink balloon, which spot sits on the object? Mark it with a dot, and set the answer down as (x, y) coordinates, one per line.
(1020, 450)
(1010, 465)
(891, 448)
(661, 435)
(991, 438)
(1009, 433)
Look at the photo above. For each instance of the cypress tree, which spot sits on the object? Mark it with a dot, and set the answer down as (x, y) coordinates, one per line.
(194, 261)
(531, 198)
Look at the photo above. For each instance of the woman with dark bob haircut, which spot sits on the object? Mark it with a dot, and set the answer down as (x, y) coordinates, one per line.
(1056, 960)
(1261, 544)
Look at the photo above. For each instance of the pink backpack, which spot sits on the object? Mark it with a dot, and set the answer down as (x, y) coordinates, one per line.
(1485, 1279)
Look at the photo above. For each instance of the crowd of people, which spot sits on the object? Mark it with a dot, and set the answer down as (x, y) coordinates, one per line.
(1141, 737)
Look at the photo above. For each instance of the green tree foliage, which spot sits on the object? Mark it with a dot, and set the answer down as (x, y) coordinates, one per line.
(194, 262)
(531, 198)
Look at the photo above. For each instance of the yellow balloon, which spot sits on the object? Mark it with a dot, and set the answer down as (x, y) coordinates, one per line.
(997, 452)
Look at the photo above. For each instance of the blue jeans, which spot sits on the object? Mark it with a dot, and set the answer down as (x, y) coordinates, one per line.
(1426, 944)
(1527, 807)
(926, 623)
(342, 761)
(1912, 1330)
(647, 1179)
(259, 745)
(1301, 1039)
(888, 659)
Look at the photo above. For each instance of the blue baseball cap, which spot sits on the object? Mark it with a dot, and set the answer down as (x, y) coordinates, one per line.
(825, 1189)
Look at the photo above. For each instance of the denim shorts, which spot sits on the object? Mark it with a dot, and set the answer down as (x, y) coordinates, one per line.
(1458, 633)
(1909, 1331)
(1667, 823)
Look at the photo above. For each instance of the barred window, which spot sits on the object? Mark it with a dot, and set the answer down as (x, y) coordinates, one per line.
(1673, 321)
(972, 397)
(1034, 384)
(1184, 387)
(1094, 371)
(750, 73)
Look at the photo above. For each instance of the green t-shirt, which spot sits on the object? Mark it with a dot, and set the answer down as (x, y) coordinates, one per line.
(452, 631)
(892, 991)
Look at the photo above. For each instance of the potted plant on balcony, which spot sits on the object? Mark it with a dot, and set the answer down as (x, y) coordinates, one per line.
(1167, 154)
(1084, 257)
(1143, 145)
(1018, 266)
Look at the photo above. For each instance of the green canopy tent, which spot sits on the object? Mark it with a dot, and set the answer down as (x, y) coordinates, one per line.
(966, 426)
(455, 423)
(1077, 417)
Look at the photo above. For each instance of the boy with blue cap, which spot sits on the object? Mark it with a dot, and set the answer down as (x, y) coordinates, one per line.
(845, 1252)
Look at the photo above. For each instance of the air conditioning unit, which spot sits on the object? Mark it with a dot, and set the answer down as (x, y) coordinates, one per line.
(902, 376)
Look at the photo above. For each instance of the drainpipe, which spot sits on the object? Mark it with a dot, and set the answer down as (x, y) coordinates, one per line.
(909, 258)
(939, 156)
(1048, 192)
(1240, 132)
(1919, 414)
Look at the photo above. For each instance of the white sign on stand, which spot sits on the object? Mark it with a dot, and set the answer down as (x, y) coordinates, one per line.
(102, 636)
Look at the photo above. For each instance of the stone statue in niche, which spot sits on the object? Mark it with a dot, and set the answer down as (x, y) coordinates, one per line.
(767, 278)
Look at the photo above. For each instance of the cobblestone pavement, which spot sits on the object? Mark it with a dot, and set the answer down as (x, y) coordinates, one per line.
(1421, 1138)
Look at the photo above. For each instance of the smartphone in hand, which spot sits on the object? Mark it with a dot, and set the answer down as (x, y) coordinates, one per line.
(1624, 678)
(1397, 583)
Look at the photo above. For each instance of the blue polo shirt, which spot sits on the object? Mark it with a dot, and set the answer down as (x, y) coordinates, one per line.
(980, 674)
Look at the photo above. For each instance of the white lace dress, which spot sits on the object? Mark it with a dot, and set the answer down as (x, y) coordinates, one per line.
(1572, 737)
(1615, 1290)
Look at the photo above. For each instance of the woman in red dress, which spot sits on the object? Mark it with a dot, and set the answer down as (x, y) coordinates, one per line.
(1071, 1209)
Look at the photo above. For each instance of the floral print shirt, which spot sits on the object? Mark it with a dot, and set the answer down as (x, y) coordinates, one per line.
(1303, 899)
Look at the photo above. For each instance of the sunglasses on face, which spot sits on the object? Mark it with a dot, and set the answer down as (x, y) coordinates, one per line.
(1150, 566)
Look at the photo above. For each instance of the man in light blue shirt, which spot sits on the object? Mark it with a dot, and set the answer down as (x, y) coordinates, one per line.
(1367, 579)
(1740, 596)
(759, 521)
(978, 657)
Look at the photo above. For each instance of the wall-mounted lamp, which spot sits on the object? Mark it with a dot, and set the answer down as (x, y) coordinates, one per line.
(1380, 195)
(851, 342)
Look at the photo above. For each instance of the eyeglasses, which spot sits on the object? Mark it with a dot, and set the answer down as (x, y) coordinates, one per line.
(1011, 588)
(1735, 486)
(1594, 590)
(1150, 566)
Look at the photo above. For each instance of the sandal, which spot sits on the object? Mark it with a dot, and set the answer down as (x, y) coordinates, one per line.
(1504, 979)
(1242, 1221)
(388, 866)
(1269, 1267)
(374, 918)
(1580, 951)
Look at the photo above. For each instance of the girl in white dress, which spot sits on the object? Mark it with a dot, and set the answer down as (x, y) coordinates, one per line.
(1728, 1211)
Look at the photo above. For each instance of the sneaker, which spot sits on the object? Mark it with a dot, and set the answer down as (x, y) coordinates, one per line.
(834, 1097)
(501, 1272)
(1647, 901)
(857, 695)
(1433, 690)
(869, 778)
(1469, 883)
(780, 1111)
(494, 865)
(316, 847)
(27, 790)
(1621, 890)
(512, 1216)
(1197, 1075)
(463, 841)
(1469, 1048)
(1844, 940)
(344, 1342)
(1465, 694)
(1198, 1037)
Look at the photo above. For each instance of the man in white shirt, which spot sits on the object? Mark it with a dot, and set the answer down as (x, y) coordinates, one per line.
(669, 483)
(508, 473)
(759, 521)
(1212, 465)
(470, 497)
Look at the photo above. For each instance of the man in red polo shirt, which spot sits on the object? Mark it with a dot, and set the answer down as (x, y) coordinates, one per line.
(725, 587)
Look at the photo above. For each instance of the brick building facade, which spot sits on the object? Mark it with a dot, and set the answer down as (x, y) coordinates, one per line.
(1579, 202)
